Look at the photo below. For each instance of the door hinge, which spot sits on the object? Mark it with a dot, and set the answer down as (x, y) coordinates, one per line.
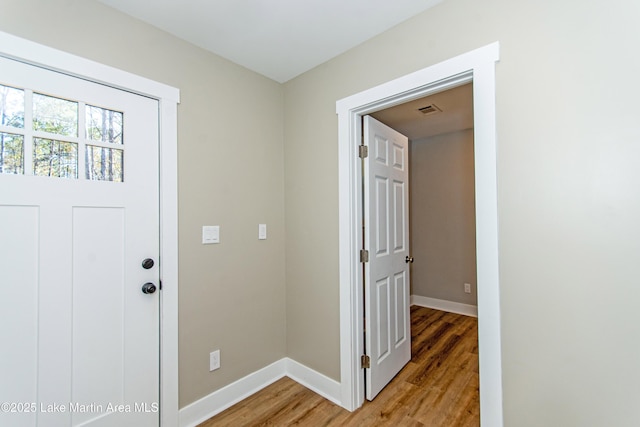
(364, 255)
(365, 362)
(363, 151)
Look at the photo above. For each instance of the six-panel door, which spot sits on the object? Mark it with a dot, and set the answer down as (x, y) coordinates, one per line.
(386, 212)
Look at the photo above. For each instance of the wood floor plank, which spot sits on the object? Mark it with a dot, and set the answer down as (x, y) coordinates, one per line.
(439, 387)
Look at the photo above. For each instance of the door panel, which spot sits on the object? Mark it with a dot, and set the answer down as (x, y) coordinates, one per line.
(18, 305)
(399, 192)
(98, 265)
(401, 287)
(83, 335)
(388, 338)
(382, 310)
(382, 216)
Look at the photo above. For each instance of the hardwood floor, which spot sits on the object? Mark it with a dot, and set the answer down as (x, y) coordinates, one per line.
(437, 388)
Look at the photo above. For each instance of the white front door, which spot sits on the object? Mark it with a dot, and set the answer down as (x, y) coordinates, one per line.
(386, 217)
(79, 212)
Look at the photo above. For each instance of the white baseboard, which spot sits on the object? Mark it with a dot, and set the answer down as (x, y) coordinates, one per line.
(450, 306)
(205, 408)
(314, 381)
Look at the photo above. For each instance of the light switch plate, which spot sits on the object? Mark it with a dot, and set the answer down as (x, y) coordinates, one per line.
(262, 231)
(210, 234)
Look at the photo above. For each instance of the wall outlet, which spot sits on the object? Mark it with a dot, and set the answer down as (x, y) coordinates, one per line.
(214, 360)
(467, 288)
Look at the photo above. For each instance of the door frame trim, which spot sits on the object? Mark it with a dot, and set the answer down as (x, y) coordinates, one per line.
(168, 97)
(477, 66)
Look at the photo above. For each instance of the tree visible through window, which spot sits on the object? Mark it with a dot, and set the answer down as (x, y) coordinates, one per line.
(55, 115)
(57, 139)
(11, 116)
(55, 158)
(104, 163)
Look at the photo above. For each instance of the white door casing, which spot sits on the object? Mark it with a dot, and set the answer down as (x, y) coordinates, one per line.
(87, 338)
(386, 224)
(478, 66)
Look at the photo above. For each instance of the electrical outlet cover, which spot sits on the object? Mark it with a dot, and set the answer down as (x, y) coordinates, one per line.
(214, 360)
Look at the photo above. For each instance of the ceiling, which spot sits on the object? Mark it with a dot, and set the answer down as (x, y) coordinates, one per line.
(281, 39)
(456, 114)
(276, 38)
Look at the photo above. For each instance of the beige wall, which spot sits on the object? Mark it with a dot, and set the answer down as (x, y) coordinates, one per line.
(442, 217)
(230, 166)
(568, 142)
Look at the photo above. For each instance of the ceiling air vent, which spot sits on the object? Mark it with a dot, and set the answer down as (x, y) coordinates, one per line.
(430, 109)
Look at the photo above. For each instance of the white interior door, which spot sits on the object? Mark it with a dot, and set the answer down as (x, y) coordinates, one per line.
(386, 216)
(79, 212)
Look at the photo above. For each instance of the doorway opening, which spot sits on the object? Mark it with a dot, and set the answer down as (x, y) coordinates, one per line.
(440, 204)
(477, 66)
(441, 197)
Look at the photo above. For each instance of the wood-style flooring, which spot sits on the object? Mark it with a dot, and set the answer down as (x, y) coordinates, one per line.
(437, 388)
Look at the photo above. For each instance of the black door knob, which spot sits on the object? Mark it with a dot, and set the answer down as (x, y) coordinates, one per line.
(408, 259)
(148, 288)
(147, 263)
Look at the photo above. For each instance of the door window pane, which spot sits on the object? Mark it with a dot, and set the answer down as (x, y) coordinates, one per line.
(104, 125)
(11, 154)
(11, 107)
(50, 155)
(55, 115)
(55, 158)
(104, 164)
